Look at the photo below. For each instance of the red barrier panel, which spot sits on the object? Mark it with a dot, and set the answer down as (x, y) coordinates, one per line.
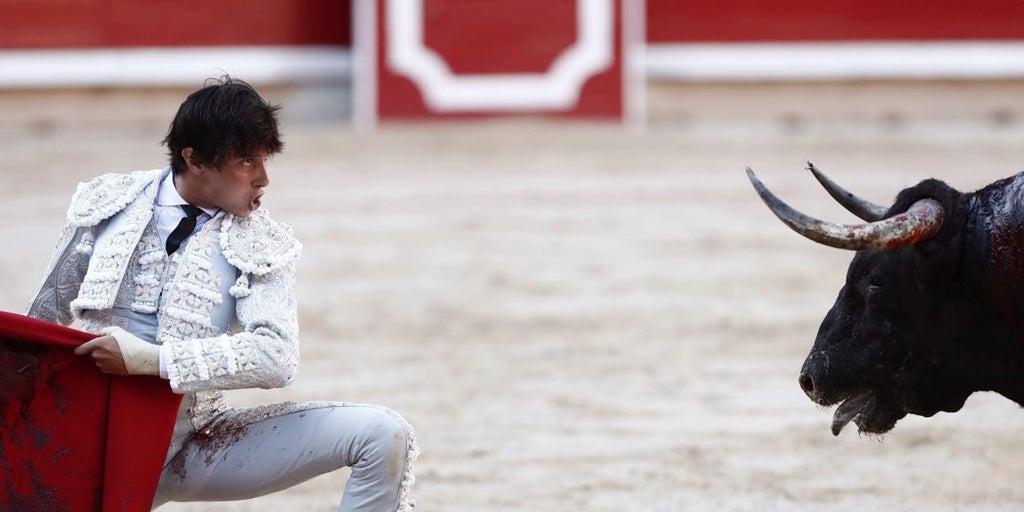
(74, 439)
(129, 23)
(444, 59)
(690, 21)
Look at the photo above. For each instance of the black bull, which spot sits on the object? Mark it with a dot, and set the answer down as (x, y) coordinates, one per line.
(933, 305)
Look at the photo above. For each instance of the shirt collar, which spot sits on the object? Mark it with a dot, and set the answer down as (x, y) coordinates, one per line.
(168, 195)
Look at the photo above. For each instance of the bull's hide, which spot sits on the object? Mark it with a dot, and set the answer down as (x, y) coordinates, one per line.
(74, 439)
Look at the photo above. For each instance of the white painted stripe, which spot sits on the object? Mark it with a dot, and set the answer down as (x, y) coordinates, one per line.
(835, 61)
(556, 89)
(686, 62)
(173, 66)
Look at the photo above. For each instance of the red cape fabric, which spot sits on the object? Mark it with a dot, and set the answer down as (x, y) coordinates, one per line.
(74, 439)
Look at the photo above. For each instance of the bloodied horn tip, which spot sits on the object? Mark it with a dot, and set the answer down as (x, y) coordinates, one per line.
(908, 228)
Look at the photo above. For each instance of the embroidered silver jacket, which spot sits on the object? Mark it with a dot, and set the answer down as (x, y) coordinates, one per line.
(225, 306)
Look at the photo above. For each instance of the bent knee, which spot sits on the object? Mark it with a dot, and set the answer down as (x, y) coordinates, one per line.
(389, 429)
(389, 439)
(398, 436)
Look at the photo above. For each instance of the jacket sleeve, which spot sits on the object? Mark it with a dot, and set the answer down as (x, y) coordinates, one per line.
(63, 276)
(264, 354)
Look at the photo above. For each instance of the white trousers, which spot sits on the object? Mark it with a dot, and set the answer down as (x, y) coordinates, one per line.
(244, 454)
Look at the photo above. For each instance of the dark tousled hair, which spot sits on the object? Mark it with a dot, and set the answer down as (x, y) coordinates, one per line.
(223, 120)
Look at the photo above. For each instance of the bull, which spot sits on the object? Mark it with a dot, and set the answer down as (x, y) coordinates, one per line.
(932, 309)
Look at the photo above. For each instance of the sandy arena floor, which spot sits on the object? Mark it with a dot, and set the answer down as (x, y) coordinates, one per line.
(578, 317)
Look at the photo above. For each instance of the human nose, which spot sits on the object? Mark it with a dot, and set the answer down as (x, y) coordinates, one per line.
(262, 178)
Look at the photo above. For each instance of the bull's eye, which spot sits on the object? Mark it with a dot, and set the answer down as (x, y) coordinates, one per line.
(872, 290)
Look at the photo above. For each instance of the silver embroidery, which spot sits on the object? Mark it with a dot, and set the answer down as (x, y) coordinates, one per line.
(63, 278)
(265, 353)
(149, 272)
(199, 358)
(257, 244)
(193, 292)
(99, 199)
(111, 257)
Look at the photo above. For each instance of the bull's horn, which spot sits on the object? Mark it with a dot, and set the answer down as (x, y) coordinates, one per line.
(862, 208)
(922, 220)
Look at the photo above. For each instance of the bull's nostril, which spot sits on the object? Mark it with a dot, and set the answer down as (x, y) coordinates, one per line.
(807, 384)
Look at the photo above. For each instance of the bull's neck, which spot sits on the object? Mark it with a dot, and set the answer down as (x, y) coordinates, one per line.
(998, 212)
(993, 246)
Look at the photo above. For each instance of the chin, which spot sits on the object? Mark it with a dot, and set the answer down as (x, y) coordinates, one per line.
(244, 212)
(878, 411)
(880, 414)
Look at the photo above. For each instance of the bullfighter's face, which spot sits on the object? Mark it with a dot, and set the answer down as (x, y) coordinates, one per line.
(883, 349)
(236, 186)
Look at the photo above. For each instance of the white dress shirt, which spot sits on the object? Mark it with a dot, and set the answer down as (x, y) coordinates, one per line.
(168, 212)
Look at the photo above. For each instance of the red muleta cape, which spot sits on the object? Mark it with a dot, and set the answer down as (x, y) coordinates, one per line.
(74, 439)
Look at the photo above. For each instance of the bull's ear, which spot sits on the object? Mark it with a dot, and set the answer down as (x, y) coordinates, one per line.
(937, 258)
(939, 255)
(952, 203)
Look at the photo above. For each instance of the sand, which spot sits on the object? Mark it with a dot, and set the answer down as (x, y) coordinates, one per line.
(578, 317)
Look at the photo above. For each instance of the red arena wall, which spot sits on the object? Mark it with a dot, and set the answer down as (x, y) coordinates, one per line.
(501, 57)
(26, 24)
(691, 21)
(470, 58)
(120, 23)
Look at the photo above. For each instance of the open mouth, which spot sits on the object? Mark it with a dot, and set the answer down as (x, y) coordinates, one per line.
(874, 412)
(850, 410)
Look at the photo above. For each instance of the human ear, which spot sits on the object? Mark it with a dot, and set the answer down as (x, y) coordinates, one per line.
(187, 153)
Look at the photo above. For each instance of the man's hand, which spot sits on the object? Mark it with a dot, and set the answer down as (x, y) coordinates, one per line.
(119, 352)
(105, 353)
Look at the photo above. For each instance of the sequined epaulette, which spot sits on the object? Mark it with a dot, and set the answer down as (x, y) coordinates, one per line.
(99, 199)
(258, 244)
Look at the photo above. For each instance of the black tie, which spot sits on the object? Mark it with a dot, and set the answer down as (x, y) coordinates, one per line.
(184, 229)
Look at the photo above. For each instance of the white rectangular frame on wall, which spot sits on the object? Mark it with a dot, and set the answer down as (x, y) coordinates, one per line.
(365, 59)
